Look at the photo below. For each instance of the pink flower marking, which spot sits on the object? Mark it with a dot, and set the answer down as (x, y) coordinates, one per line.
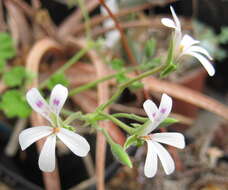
(163, 110)
(39, 103)
(56, 102)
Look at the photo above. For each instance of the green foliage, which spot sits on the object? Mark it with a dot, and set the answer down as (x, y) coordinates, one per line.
(210, 40)
(117, 64)
(7, 50)
(15, 76)
(120, 154)
(223, 36)
(2, 65)
(150, 47)
(58, 78)
(13, 104)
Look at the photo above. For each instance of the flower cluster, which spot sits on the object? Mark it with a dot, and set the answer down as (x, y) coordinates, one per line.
(186, 45)
(76, 143)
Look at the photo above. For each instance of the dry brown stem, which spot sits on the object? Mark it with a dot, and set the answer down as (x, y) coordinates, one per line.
(122, 34)
(66, 28)
(99, 18)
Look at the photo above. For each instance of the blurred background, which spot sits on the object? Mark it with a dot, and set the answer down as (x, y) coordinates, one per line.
(47, 33)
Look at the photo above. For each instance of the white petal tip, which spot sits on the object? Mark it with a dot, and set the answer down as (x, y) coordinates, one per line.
(168, 23)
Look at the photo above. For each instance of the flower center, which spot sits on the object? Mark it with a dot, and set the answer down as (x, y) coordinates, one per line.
(146, 137)
(181, 48)
(56, 129)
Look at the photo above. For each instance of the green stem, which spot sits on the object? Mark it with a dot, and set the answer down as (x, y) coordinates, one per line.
(131, 116)
(119, 123)
(68, 64)
(90, 85)
(94, 83)
(85, 14)
(126, 84)
(72, 117)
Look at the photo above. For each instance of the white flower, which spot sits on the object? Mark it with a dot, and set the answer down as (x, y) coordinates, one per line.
(113, 36)
(155, 149)
(76, 143)
(186, 45)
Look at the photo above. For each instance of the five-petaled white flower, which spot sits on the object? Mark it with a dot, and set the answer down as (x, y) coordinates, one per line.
(187, 45)
(155, 149)
(76, 143)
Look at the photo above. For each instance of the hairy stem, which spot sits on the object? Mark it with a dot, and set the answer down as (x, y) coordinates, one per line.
(118, 122)
(126, 84)
(68, 64)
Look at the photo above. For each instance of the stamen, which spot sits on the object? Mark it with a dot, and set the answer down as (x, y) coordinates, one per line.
(56, 129)
(147, 137)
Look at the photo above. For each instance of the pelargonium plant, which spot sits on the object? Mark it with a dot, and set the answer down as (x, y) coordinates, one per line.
(138, 133)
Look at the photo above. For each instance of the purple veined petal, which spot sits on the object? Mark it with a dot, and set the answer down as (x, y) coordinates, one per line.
(47, 155)
(170, 138)
(168, 22)
(206, 64)
(150, 108)
(164, 108)
(58, 97)
(187, 41)
(164, 156)
(176, 20)
(199, 49)
(37, 102)
(33, 134)
(151, 163)
(76, 143)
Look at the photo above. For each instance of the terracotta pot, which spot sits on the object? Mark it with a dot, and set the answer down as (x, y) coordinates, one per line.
(196, 81)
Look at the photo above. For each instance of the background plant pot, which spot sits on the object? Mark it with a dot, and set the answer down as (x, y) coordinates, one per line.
(195, 80)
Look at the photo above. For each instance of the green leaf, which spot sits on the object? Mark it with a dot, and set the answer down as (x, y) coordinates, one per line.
(58, 78)
(169, 59)
(15, 76)
(117, 64)
(150, 47)
(120, 154)
(13, 104)
(7, 49)
(168, 121)
(223, 36)
(121, 78)
(2, 65)
(131, 140)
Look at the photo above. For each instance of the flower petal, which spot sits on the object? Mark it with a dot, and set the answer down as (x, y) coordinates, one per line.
(31, 135)
(164, 108)
(176, 20)
(206, 64)
(47, 155)
(58, 97)
(76, 143)
(164, 156)
(150, 108)
(37, 102)
(168, 22)
(151, 163)
(199, 49)
(173, 139)
(187, 41)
